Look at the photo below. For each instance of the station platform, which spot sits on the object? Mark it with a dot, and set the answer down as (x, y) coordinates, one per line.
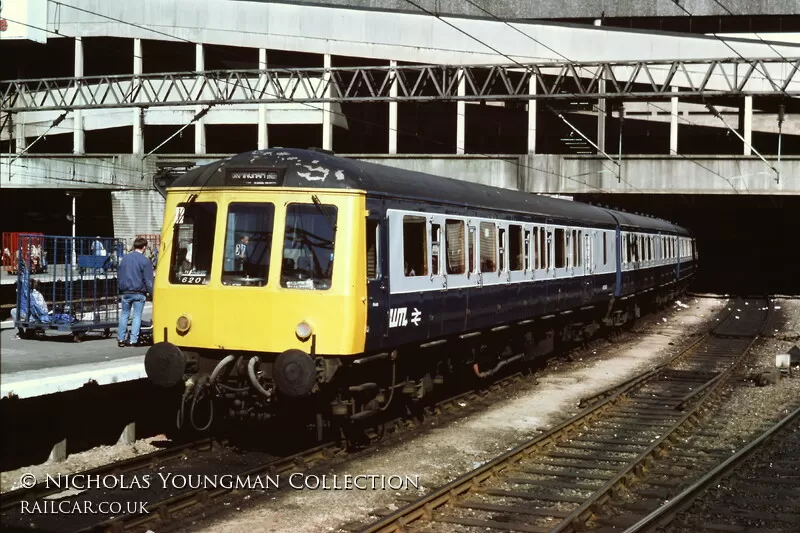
(54, 273)
(55, 363)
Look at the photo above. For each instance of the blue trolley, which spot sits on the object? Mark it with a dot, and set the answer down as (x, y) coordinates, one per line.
(77, 293)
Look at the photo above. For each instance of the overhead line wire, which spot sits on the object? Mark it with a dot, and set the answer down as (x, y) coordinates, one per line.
(726, 43)
(410, 1)
(516, 163)
(565, 57)
(361, 120)
(713, 110)
(510, 58)
(731, 13)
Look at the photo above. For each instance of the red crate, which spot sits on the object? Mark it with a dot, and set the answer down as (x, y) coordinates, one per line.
(33, 252)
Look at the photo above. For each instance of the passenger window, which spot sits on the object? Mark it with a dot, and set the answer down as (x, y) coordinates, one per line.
(579, 248)
(373, 238)
(537, 249)
(561, 248)
(605, 248)
(629, 247)
(488, 247)
(415, 246)
(435, 248)
(574, 258)
(471, 251)
(308, 246)
(248, 242)
(516, 260)
(454, 246)
(193, 243)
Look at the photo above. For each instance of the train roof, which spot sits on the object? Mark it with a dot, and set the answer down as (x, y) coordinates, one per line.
(290, 167)
(629, 221)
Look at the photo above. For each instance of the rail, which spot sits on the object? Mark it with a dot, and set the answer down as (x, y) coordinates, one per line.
(715, 350)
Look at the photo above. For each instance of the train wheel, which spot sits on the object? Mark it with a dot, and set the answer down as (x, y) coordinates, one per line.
(78, 336)
(107, 333)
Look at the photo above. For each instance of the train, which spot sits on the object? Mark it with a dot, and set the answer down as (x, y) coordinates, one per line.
(302, 284)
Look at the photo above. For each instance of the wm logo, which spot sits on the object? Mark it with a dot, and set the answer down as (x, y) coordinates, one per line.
(397, 317)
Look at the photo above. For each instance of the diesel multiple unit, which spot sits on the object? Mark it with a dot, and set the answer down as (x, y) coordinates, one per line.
(295, 281)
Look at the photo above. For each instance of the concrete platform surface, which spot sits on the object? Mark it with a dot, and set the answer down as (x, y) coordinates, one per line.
(54, 273)
(54, 363)
(50, 380)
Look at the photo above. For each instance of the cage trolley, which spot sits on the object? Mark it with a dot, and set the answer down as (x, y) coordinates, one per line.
(77, 294)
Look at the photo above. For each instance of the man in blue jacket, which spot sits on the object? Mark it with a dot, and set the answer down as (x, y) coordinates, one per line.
(135, 280)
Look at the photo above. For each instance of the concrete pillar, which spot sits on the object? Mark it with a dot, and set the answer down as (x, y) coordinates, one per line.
(393, 112)
(263, 132)
(601, 108)
(747, 125)
(461, 116)
(327, 122)
(200, 124)
(19, 136)
(78, 134)
(532, 105)
(138, 114)
(673, 123)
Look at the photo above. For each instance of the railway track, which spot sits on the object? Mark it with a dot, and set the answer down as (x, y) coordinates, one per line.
(148, 461)
(207, 457)
(756, 489)
(175, 507)
(564, 479)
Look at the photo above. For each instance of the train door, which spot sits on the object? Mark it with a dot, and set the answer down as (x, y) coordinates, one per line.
(434, 300)
(551, 287)
(377, 274)
(473, 273)
(588, 266)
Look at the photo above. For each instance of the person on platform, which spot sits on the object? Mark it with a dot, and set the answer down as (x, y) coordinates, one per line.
(97, 247)
(135, 280)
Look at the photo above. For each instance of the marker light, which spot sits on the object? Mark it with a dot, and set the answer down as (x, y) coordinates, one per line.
(303, 330)
(183, 324)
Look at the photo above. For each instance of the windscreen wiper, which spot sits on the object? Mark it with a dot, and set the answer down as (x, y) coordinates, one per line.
(315, 199)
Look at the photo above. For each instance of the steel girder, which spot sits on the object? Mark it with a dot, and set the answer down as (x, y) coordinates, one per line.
(624, 80)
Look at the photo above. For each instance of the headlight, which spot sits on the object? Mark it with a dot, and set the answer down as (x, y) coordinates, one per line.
(183, 324)
(303, 330)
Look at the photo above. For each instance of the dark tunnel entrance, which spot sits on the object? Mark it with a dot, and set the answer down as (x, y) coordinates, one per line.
(748, 244)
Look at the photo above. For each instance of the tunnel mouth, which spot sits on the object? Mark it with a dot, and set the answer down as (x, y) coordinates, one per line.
(748, 244)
